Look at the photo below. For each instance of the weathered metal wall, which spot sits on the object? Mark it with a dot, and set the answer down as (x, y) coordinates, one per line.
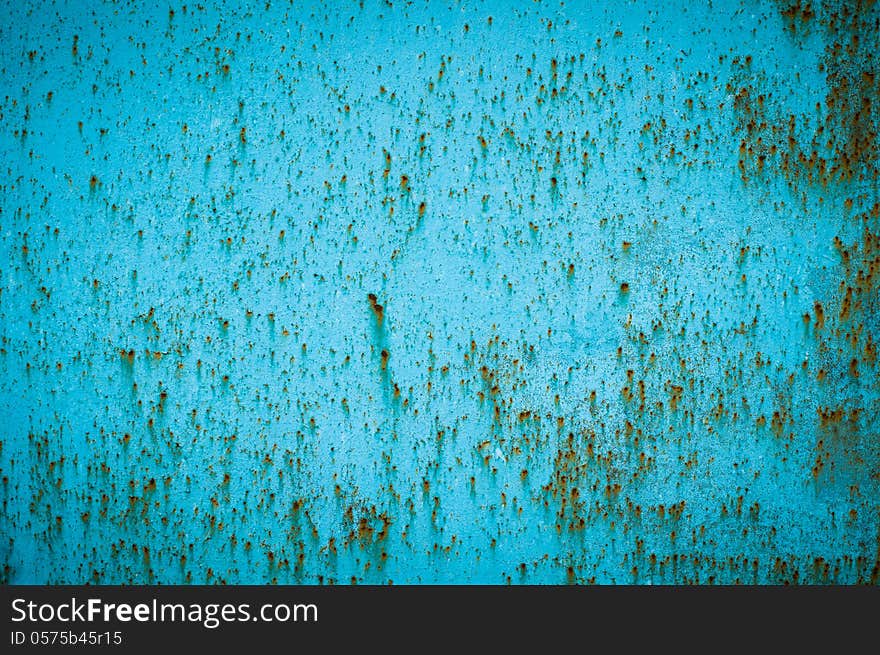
(530, 292)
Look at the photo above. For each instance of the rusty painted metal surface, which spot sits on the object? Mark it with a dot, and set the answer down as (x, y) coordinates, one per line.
(504, 292)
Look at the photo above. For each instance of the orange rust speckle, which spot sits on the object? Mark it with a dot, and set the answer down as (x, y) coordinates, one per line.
(820, 315)
(378, 310)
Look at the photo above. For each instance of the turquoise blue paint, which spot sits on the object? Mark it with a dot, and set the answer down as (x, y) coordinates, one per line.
(597, 368)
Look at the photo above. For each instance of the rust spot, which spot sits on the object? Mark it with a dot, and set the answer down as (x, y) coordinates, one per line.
(820, 315)
(377, 309)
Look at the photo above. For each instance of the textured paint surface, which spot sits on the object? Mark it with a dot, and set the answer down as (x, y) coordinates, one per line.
(531, 292)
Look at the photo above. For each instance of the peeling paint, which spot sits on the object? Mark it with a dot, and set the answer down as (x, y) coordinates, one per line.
(496, 292)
